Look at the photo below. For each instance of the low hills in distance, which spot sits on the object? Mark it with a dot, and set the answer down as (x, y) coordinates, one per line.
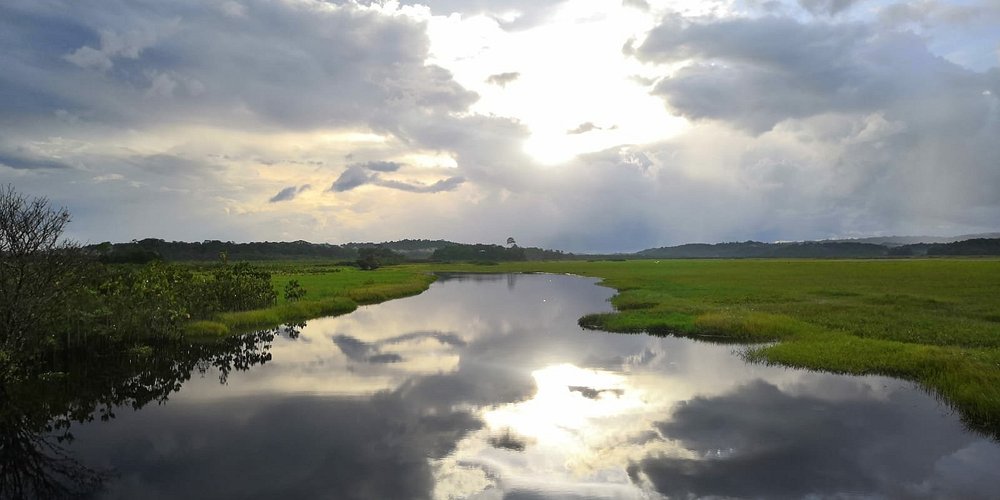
(138, 251)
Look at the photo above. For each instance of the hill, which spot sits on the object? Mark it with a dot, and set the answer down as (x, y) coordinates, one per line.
(760, 250)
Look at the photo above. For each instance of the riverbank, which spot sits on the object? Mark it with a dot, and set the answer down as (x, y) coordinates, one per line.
(330, 291)
(933, 321)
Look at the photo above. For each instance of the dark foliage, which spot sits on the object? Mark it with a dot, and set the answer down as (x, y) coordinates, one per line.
(211, 249)
(476, 253)
(240, 287)
(371, 258)
(294, 291)
(82, 384)
(977, 246)
(39, 276)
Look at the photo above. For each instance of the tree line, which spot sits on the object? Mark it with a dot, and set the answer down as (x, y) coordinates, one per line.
(54, 293)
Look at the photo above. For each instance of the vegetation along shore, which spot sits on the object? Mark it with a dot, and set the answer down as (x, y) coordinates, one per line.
(933, 321)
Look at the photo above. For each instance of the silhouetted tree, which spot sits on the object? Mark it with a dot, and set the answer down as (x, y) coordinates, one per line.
(37, 273)
(368, 260)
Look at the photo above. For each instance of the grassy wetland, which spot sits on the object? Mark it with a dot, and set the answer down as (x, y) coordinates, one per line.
(933, 321)
(330, 290)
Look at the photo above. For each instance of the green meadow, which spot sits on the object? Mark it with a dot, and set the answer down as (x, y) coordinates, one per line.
(933, 321)
(330, 290)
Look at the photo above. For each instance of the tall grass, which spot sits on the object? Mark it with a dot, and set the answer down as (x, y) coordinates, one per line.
(329, 291)
(933, 321)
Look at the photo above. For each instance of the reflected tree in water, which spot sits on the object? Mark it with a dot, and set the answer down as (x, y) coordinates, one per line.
(81, 385)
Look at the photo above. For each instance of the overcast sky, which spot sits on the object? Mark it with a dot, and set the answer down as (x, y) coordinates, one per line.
(583, 125)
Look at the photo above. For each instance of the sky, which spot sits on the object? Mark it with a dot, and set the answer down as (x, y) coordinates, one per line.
(581, 125)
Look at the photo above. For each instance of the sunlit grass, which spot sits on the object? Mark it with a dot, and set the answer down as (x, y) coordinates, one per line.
(933, 321)
(330, 291)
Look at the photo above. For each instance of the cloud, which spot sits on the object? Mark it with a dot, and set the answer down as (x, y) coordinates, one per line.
(755, 73)
(358, 174)
(827, 7)
(382, 166)
(797, 127)
(284, 195)
(585, 127)
(298, 65)
(354, 176)
(642, 5)
(23, 160)
(743, 452)
(288, 193)
(502, 79)
(114, 45)
(442, 185)
(379, 448)
(512, 15)
(371, 352)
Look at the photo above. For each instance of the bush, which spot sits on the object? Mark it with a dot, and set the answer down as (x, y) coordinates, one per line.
(294, 291)
(241, 287)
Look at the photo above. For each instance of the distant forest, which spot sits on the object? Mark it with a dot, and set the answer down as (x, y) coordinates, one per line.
(822, 249)
(140, 251)
(149, 249)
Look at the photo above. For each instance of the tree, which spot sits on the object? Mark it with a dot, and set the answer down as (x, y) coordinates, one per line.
(294, 291)
(37, 271)
(368, 259)
(510, 242)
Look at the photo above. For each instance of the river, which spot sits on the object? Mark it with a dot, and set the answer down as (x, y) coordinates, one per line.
(485, 387)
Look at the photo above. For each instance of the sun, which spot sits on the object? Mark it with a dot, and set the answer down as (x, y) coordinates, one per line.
(568, 81)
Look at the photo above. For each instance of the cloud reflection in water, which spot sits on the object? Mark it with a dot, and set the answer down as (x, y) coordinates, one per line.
(487, 388)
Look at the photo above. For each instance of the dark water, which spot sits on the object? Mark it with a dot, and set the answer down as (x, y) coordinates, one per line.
(485, 387)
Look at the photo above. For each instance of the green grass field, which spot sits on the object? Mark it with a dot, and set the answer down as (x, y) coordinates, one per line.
(933, 321)
(330, 290)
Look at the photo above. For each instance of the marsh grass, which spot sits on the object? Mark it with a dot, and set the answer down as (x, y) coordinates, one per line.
(330, 291)
(933, 321)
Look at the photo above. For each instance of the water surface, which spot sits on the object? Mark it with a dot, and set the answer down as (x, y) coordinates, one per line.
(485, 387)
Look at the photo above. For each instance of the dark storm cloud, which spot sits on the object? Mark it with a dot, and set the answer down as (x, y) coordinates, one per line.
(755, 73)
(898, 123)
(302, 64)
(817, 447)
(502, 79)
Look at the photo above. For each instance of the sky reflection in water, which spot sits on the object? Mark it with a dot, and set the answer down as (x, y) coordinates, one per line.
(485, 387)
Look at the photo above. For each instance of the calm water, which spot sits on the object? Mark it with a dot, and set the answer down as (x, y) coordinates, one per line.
(485, 387)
